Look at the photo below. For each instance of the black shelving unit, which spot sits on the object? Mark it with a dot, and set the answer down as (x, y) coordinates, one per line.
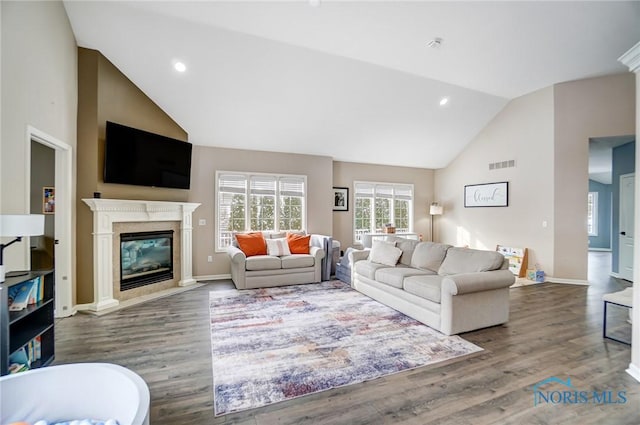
(18, 328)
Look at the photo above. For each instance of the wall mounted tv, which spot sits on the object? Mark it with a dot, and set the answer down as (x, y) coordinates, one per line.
(141, 158)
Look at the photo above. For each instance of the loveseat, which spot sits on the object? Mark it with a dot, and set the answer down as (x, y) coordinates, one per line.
(261, 271)
(450, 289)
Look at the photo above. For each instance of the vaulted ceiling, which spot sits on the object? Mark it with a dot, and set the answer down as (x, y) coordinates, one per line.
(356, 81)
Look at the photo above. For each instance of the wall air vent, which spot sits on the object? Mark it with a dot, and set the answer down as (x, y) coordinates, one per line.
(502, 164)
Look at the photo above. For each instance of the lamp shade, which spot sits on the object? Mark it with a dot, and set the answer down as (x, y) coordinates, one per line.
(21, 225)
(435, 209)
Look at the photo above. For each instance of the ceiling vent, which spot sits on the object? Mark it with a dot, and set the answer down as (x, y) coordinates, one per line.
(502, 164)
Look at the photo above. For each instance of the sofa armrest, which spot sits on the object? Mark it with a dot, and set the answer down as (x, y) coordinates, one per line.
(317, 252)
(236, 255)
(358, 255)
(467, 283)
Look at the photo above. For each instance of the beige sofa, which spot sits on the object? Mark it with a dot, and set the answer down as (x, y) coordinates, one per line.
(450, 289)
(261, 271)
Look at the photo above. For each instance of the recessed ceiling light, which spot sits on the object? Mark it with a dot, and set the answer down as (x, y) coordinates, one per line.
(314, 3)
(444, 101)
(180, 67)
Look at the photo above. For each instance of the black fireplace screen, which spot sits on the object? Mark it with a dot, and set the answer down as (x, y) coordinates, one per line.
(145, 258)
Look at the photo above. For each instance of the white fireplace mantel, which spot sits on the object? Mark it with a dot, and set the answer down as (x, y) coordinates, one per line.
(109, 211)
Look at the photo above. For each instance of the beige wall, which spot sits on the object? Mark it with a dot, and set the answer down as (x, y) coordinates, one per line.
(105, 94)
(208, 160)
(522, 131)
(345, 173)
(39, 88)
(596, 107)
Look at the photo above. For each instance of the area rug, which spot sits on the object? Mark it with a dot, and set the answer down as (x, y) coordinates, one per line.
(274, 344)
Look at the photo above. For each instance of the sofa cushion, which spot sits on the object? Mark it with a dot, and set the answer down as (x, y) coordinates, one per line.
(295, 261)
(429, 255)
(394, 276)
(252, 243)
(425, 286)
(278, 247)
(367, 268)
(407, 246)
(298, 244)
(384, 253)
(465, 260)
(263, 262)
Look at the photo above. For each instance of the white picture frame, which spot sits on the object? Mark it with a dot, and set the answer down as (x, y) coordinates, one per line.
(486, 195)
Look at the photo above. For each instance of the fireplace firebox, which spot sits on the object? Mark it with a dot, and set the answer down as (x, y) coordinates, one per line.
(145, 258)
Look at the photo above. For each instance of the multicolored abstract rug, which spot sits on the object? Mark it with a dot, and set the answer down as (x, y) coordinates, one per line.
(275, 344)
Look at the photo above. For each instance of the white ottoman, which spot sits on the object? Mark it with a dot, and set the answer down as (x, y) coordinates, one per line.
(75, 391)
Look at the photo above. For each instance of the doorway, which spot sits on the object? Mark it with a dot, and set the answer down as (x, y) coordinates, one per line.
(61, 223)
(43, 175)
(609, 159)
(627, 196)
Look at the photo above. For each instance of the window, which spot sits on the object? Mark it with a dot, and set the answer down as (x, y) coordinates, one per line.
(259, 202)
(378, 204)
(592, 213)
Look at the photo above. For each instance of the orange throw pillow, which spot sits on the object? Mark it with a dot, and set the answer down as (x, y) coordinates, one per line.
(252, 243)
(298, 244)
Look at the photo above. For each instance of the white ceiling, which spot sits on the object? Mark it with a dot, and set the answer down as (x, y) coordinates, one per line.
(351, 80)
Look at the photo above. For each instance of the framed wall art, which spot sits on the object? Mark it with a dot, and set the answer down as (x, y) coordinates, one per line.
(48, 200)
(341, 199)
(486, 195)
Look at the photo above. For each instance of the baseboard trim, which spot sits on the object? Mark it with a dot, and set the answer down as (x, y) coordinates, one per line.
(634, 371)
(213, 277)
(567, 281)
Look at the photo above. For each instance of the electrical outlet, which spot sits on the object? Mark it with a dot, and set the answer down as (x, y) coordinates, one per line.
(202, 222)
(210, 259)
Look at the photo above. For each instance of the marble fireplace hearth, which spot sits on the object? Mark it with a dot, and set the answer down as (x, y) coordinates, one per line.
(114, 216)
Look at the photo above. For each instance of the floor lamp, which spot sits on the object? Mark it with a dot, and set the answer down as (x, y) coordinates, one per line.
(434, 209)
(18, 226)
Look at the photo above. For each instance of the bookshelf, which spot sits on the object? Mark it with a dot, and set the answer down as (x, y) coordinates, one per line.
(19, 328)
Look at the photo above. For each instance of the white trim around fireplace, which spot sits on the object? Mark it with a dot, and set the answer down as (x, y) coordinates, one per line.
(109, 211)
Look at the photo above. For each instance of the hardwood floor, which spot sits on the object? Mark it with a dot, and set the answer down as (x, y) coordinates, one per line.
(554, 330)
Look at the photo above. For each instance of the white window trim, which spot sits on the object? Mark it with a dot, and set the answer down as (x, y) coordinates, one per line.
(394, 185)
(247, 194)
(594, 214)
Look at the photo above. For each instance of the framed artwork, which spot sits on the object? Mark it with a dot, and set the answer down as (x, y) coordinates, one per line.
(486, 195)
(341, 199)
(48, 200)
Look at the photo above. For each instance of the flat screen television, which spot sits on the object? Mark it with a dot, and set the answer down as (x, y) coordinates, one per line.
(140, 158)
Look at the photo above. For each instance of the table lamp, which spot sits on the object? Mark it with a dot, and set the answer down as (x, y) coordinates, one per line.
(18, 226)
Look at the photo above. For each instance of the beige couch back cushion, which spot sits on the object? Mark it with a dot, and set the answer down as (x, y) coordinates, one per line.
(429, 255)
(406, 246)
(465, 260)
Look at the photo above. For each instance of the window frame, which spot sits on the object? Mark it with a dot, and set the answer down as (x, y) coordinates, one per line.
(392, 203)
(594, 214)
(247, 201)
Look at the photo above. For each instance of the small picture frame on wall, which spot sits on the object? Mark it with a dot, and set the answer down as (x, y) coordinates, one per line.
(48, 200)
(341, 199)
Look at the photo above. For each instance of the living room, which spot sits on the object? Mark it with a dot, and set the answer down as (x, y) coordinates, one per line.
(546, 132)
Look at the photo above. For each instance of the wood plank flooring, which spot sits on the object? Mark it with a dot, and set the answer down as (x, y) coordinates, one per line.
(554, 330)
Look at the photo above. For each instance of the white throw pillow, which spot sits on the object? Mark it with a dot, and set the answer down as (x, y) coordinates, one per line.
(385, 253)
(278, 247)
